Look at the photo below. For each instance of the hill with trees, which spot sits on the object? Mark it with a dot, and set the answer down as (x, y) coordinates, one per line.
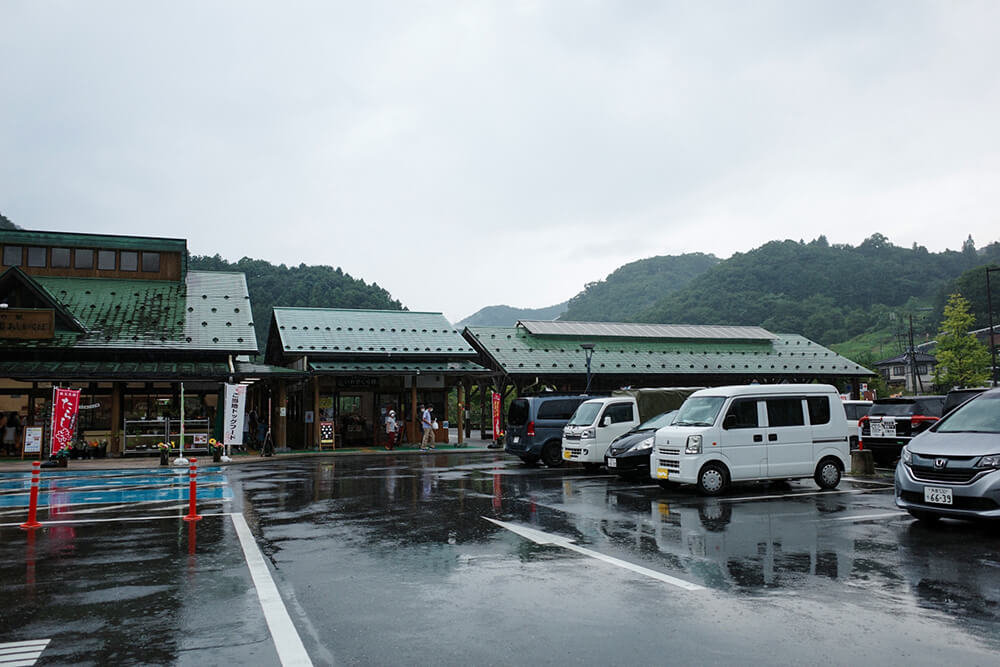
(297, 286)
(5, 223)
(507, 316)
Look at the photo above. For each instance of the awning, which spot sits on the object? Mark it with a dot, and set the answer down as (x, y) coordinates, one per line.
(397, 367)
(113, 370)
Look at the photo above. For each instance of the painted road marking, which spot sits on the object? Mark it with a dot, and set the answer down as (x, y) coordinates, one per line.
(799, 495)
(286, 637)
(16, 654)
(871, 517)
(124, 518)
(540, 537)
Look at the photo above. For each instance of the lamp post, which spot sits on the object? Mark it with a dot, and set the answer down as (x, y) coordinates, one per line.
(989, 310)
(588, 350)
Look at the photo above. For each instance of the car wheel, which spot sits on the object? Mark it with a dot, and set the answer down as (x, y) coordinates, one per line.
(712, 480)
(552, 454)
(591, 467)
(827, 474)
(925, 517)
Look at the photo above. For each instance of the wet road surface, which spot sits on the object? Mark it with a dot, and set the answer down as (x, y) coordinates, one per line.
(392, 560)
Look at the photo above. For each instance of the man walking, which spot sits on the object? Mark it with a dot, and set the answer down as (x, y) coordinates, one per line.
(427, 421)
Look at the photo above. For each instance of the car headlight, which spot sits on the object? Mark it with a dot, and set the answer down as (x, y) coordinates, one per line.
(643, 444)
(905, 457)
(693, 445)
(587, 433)
(989, 461)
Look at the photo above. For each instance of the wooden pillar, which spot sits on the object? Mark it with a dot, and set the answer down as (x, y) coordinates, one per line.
(467, 384)
(413, 411)
(116, 419)
(482, 411)
(315, 424)
(281, 423)
(461, 413)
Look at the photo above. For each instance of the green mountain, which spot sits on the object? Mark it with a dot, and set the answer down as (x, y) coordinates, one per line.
(302, 286)
(5, 223)
(635, 287)
(507, 316)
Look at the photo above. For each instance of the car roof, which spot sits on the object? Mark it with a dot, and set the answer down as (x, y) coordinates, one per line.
(766, 389)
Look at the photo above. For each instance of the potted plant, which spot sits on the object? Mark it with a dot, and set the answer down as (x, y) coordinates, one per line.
(216, 448)
(95, 452)
(62, 457)
(164, 450)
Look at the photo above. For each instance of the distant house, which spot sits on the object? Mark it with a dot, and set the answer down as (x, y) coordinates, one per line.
(898, 371)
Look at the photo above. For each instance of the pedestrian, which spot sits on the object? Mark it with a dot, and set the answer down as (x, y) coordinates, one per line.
(427, 421)
(390, 430)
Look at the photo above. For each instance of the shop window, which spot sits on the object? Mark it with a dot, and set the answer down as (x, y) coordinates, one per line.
(12, 255)
(83, 258)
(129, 260)
(36, 257)
(106, 260)
(60, 258)
(151, 262)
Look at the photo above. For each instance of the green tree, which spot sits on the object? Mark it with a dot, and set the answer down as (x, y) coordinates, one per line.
(962, 360)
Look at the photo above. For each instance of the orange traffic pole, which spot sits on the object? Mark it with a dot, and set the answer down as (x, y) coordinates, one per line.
(32, 521)
(192, 514)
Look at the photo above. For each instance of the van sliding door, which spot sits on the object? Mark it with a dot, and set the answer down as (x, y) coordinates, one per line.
(789, 438)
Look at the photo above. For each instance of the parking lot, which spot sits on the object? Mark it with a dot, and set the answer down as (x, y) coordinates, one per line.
(474, 558)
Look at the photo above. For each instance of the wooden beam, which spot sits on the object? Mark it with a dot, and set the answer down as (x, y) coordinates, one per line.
(461, 413)
(116, 418)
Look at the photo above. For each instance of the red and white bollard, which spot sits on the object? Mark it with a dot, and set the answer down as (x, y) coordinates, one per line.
(192, 514)
(32, 521)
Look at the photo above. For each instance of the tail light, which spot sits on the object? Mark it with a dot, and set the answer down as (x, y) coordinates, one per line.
(861, 429)
(531, 429)
(921, 421)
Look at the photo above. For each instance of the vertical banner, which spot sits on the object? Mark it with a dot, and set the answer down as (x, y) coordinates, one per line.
(233, 410)
(496, 416)
(65, 405)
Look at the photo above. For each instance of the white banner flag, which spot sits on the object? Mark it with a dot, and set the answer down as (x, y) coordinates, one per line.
(235, 406)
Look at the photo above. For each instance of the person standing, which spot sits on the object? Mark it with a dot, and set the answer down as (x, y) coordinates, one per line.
(390, 430)
(427, 421)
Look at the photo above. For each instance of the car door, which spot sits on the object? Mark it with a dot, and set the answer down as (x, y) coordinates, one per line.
(616, 420)
(789, 437)
(742, 439)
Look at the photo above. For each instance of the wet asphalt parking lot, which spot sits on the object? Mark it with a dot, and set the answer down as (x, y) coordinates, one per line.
(475, 558)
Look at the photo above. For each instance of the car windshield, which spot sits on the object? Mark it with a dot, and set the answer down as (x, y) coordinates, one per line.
(585, 414)
(981, 415)
(700, 411)
(659, 421)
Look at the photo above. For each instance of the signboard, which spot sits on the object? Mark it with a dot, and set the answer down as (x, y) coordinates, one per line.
(233, 411)
(349, 381)
(33, 440)
(326, 433)
(496, 416)
(65, 404)
(27, 323)
(201, 438)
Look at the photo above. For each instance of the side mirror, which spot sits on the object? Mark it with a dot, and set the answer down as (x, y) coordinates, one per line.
(606, 421)
(729, 422)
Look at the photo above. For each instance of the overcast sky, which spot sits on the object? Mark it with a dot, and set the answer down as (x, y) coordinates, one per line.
(476, 153)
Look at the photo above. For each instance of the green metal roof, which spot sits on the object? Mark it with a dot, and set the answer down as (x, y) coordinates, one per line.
(73, 240)
(517, 351)
(210, 311)
(398, 367)
(96, 370)
(346, 332)
(249, 369)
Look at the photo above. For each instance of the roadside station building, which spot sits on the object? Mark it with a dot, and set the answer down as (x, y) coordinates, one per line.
(535, 355)
(123, 319)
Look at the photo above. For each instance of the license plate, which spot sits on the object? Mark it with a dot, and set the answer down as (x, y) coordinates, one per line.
(662, 473)
(566, 454)
(612, 463)
(937, 495)
(517, 439)
(884, 429)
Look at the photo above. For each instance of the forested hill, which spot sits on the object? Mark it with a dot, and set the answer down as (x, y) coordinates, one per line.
(635, 287)
(312, 286)
(507, 316)
(827, 293)
(5, 223)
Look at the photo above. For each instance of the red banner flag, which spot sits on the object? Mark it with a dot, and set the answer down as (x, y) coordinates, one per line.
(496, 416)
(65, 405)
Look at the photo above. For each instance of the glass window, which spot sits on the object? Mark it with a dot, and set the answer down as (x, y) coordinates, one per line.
(619, 412)
(659, 421)
(785, 412)
(897, 371)
(36, 256)
(517, 413)
(151, 262)
(12, 255)
(742, 414)
(557, 409)
(819, 410)
(106, 260)
(980, 415)
(700, 411)
(129, 260)
(922, 369)
(60, 258)
(585, 414)
(83, 258)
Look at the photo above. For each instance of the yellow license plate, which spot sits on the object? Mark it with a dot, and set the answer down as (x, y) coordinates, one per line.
(566, 454)
(662, 473)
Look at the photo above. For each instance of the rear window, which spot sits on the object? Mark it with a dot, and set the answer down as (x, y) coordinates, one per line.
(561, 409)
(819, 410)
(931, 406)
(895, 409)
(517, 413)
(855, 411)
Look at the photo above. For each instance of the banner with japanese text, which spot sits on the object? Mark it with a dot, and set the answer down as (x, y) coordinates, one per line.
(232, 412)
(496, 416)
(65, 406)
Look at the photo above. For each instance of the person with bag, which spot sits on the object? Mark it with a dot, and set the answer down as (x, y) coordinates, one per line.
(390, 430)
(427, 421)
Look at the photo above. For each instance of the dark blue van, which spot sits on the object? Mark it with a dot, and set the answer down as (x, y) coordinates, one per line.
(535, 427)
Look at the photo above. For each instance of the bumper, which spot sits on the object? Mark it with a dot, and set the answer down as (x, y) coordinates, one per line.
(628, 462)
(525, 446)
(583, 451)
(978, 500)
(884, 448)
(671, 465)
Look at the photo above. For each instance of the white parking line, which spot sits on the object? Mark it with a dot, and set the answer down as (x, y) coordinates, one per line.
(799, 495)
(22, 654)
(870, 517)
(540, 537)
(286, 637)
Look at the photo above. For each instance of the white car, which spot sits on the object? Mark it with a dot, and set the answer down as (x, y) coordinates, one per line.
(855, 410)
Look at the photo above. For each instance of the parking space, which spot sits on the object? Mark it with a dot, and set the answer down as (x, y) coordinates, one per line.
(476, 558)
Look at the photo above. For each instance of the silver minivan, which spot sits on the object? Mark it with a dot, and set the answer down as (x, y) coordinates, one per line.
(953, 468)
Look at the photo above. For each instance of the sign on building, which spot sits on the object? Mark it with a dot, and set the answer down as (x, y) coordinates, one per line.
(233, 411)
(34, 323)
(65, 406)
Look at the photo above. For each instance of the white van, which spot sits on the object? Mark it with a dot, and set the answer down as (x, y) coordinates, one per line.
(754, 432)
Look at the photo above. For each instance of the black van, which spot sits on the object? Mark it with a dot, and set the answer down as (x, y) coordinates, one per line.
(535, 427)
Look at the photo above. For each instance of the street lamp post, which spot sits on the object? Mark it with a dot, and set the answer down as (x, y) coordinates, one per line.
(588, 349)
(989, 310)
